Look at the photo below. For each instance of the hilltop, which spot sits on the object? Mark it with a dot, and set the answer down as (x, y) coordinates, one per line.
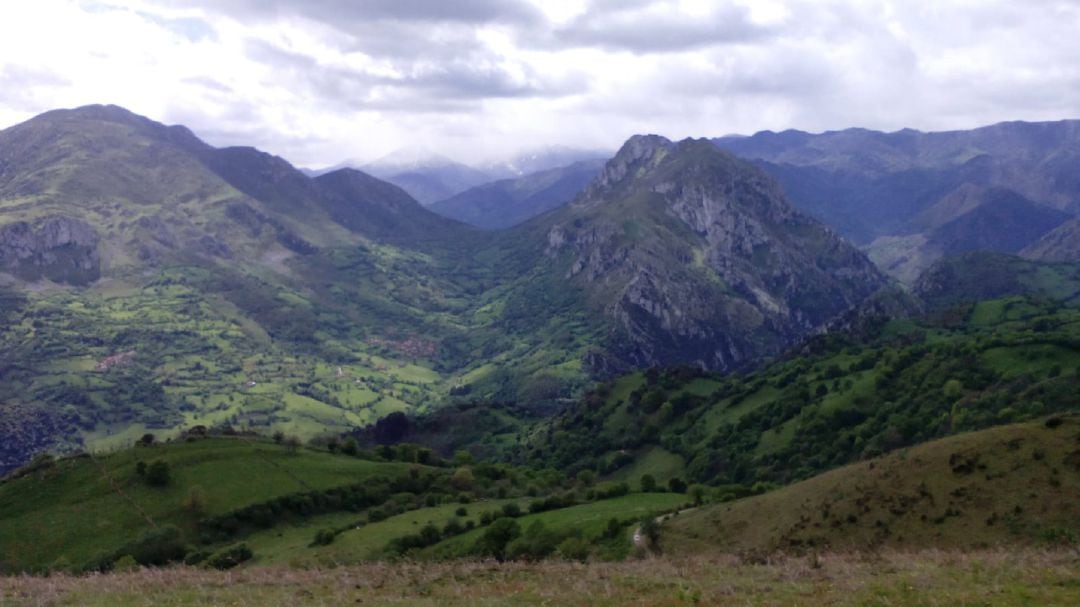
(1012, 484)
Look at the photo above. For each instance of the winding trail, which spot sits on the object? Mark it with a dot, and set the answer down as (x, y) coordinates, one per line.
(641, 542)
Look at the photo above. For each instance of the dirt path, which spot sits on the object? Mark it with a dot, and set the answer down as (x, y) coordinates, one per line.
(641, 542)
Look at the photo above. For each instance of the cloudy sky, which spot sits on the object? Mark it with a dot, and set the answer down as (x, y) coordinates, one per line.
(317, 81)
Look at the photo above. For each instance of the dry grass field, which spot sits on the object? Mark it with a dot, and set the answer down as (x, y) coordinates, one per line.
(933, 578)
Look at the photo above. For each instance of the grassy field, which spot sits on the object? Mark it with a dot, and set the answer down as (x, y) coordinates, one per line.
(995, 577)
(78, 508)
(1017, 484)
(291, 544)
(589, 518)
(663, 465)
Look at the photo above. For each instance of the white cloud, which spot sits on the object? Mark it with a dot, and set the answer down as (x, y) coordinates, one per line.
(318, 81)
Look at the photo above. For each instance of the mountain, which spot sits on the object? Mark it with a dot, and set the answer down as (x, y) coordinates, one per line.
(694, 256)
(508, 202)
(968, 219)
(426, 176)
(893, 189)
(152, 282)
(979, 276)
(1062, 244)
(543, 159)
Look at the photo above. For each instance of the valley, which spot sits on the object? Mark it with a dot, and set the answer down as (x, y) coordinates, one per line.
(254, 368)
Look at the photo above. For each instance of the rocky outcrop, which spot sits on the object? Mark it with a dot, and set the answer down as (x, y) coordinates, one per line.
(698, 258)
(58, 248)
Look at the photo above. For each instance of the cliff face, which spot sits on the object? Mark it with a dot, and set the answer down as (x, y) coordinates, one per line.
(57, 248)
(698, 257)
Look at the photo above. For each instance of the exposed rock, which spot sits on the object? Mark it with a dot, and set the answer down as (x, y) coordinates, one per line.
(59, 248)
(699, 259)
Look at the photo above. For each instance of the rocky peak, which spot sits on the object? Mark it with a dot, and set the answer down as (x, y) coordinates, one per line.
(637, 155)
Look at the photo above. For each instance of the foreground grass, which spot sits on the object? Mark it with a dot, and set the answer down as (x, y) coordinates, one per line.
(998, 578)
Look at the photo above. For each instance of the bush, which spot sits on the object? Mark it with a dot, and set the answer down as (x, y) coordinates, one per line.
(158, 474)
(324, 537)
(648, 483)
(573, 549)
(195, 502)
(535, 544)
(496, 537)
(230, 557)
(511, 510)
(156, 548)
(125, 564)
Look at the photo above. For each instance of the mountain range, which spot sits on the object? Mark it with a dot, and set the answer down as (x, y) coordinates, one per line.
(781, 343)
(151, 276)
(430, 177)
(910, 197)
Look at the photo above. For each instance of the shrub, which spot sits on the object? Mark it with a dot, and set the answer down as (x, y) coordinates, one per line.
(496, 537)
(648, 483)
(230, 557)
(511, 510)
(195, 502)
(324, 537)
(677, 485)
(573, 549)
(125, 564)
(158, 474)
(159, 547)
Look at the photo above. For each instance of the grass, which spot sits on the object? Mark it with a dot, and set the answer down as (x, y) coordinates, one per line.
(589, 518)
(79, 508)
(1012, 484)
(663, 465)
(291, 544)
(1001, 578)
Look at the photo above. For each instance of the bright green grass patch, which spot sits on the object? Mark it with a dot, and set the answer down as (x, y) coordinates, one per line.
(1036, 359)
(725, 413)
(590, 519)
(663, 465)
(366, 542)
(78, 508)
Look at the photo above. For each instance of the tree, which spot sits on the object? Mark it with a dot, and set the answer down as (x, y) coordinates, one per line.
(650, 530)
(648, 483)
(495, 538)
(462, 479)
(677, 485)
(697, 491)
(195, 502)
(586, 478)
(158, 474)
(350, 447)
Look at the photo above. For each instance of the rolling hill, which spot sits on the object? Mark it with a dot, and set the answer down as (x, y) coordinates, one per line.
(1010, 485)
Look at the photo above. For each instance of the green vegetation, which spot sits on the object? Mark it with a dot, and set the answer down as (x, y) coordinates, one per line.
(1013, 484)
(843, 399)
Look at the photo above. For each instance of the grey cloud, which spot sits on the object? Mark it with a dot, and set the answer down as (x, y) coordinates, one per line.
(346, 12)
(451, 85)
(21, 86)
(651, 27)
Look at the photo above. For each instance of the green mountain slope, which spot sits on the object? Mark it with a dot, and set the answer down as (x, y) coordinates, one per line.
(159, 283)
(1010, 485)
(964, 367)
